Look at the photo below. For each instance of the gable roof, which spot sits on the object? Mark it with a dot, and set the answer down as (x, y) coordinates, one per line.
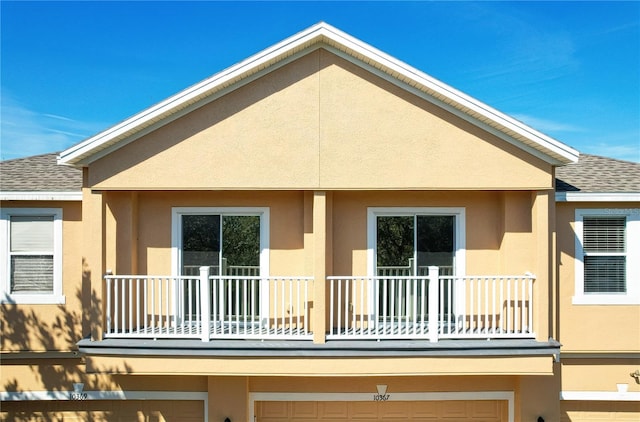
(318, 36)
(598, 178)
(39, 178)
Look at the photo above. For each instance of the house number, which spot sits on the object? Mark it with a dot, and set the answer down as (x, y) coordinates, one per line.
(381, 397)
(78, 396)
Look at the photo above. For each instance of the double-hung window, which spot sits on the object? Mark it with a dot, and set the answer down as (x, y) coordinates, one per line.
(31, 253)
(607, 256)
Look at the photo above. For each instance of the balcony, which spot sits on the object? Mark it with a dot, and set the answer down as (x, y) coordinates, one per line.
(433, 306)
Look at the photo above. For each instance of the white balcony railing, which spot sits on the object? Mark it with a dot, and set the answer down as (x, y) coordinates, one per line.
(431, 307)
(434, 306)
(207, 307)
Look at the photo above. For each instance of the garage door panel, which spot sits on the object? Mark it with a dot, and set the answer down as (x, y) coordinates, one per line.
(304, 409)
(390, 411)
(274, 410)
(333, 410)
(424, 409)
(454, 410)
(394, 410)
(485, 409)
(362, 411)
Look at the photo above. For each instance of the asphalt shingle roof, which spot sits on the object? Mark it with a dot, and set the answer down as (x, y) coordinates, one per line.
(596, 174)
(592, 173)
(39, 173)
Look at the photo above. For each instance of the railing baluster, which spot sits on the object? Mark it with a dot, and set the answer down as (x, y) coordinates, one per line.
(530, 325)
(130, 295)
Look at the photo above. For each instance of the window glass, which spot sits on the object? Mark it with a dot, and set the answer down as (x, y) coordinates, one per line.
(200, 243)
(604, 254)
(228, 244)
(31, 250)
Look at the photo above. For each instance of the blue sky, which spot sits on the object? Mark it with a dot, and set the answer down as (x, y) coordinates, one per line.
(568, 69)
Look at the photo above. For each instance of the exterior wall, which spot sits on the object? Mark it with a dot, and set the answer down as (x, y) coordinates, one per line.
(599, 411)
(617, 326)
(50, 382)
(499, 234)
(295, 128)
(238, 397)
(39, 328)
(600, 343)
(151, 242)
(499, 228)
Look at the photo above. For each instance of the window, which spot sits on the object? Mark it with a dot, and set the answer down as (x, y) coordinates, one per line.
(232, 242)
(31, 269)
(405, 242)
(607, 240)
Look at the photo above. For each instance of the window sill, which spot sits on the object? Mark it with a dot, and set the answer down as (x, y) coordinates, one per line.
(35, 299)
(605, 300)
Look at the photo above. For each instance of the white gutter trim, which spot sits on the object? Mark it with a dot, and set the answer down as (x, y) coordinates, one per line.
(75, 154)
(597, 196)
(600, 396)
(40, 196)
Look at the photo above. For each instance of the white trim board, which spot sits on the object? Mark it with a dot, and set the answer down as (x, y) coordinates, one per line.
(41, 196)
(597, 197)
(599, 396)
(507, 396)
(110, 395)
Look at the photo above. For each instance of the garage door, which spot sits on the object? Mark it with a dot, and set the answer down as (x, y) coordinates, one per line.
(599, 411)
(104, 410)
(301, 411)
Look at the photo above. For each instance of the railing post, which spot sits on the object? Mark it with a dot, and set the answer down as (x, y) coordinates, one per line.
(434, 294)
(205, 295)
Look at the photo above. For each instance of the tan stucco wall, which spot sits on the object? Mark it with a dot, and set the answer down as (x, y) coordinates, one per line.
(319, 122)
(229, 396)
(324, 366)
(499, 234)
(586, 328)
(51, 327)
(592, 374)
(150, 242)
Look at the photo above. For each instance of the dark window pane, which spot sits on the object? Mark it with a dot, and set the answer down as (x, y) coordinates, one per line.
(200, 243)
(605, 274)
(394, 244)
(435, 243)
(241, 244)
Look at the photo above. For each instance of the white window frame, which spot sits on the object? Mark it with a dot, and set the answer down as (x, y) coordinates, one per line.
(56, 297)
(632, 295)
(459, 236)
(176, 231)
(459, 231)
(262, 212)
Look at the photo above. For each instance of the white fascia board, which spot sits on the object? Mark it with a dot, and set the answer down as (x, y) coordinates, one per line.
(41, 196)
(597, 196)
(556, 152)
